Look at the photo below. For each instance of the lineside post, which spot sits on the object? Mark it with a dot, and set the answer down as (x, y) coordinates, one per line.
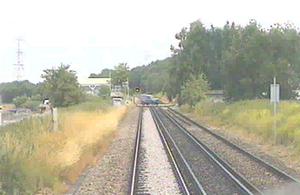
(55, 119)
(275, 99)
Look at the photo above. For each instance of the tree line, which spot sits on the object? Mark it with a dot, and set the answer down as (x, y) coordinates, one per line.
(242, 61)
(60, 85)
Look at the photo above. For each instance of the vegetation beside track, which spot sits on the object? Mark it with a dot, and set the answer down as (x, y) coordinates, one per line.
(253, 117)
(33, 157)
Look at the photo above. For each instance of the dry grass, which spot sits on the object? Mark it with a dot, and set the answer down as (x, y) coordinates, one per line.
(34, 157)
(8, 106)
(252, 121)
(162, 97)
(254, 117)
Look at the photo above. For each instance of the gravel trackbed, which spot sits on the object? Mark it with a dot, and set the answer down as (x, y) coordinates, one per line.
(112, 173)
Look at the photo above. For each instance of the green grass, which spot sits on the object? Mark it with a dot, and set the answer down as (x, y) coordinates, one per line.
(255, 117)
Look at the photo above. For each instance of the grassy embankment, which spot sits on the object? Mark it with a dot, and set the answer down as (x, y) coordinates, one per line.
(254, 118)
(162, 98)
(33, 157)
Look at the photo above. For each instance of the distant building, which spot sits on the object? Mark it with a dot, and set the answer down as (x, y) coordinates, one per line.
(92, 85)
(215, 96)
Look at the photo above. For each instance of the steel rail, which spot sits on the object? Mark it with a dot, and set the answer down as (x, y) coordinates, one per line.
(241, 183)
(170, 154)
(133, 183)
(257, 159)
(200, 188)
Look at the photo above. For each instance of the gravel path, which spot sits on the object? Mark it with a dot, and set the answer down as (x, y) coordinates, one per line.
(155, 175)
(210, 177)
(112, 174)
(258, 175)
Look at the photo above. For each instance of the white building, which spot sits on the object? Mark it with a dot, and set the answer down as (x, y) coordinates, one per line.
(92, 85)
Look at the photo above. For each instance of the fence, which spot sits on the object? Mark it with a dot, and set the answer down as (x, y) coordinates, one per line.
(14, 116)
(17, 115)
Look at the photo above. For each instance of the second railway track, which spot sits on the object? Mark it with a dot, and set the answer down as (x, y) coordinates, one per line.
(210, 172)
(259, 173)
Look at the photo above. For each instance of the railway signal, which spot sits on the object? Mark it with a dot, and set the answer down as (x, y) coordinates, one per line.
(137, 89)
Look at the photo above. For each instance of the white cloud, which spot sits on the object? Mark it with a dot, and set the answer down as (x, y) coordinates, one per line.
(106, 57)
(81, 70)
(73, 52)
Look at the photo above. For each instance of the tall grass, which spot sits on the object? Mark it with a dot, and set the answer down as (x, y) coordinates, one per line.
(162, 97)
(32, 156)
(255, 117)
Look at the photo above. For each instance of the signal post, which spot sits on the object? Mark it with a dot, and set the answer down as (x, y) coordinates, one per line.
(137, 90)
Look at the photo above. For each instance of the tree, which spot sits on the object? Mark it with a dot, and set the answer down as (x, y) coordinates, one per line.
(256, 56)
(17, 88)
(104, 92)
(104, 74)
(194, 90)
(240, 60)
(120, 74)
(20, 100)
(63, 86)
(135, 77)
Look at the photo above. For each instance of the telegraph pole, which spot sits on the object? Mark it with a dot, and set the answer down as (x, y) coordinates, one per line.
(19, 66)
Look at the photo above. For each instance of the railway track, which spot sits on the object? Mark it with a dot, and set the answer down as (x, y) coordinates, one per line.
(210, 172)
(259, 173)
(154, 165)
(134, 176)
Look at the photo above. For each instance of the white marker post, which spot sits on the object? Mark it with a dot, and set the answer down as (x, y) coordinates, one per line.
(275, 100)
(55, 119)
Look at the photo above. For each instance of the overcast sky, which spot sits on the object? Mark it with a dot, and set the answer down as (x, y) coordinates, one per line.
(94, 35)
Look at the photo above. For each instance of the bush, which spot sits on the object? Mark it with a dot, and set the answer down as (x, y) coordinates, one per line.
(32, 105)
(20, 100)
(194, 91)
(185, 108)
(104, 93)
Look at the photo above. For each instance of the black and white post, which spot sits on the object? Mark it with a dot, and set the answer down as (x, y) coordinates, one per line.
(275, 99)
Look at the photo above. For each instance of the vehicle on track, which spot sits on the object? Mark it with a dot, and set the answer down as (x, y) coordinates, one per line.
(146, 99)
(149, 100)
(155, 101)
